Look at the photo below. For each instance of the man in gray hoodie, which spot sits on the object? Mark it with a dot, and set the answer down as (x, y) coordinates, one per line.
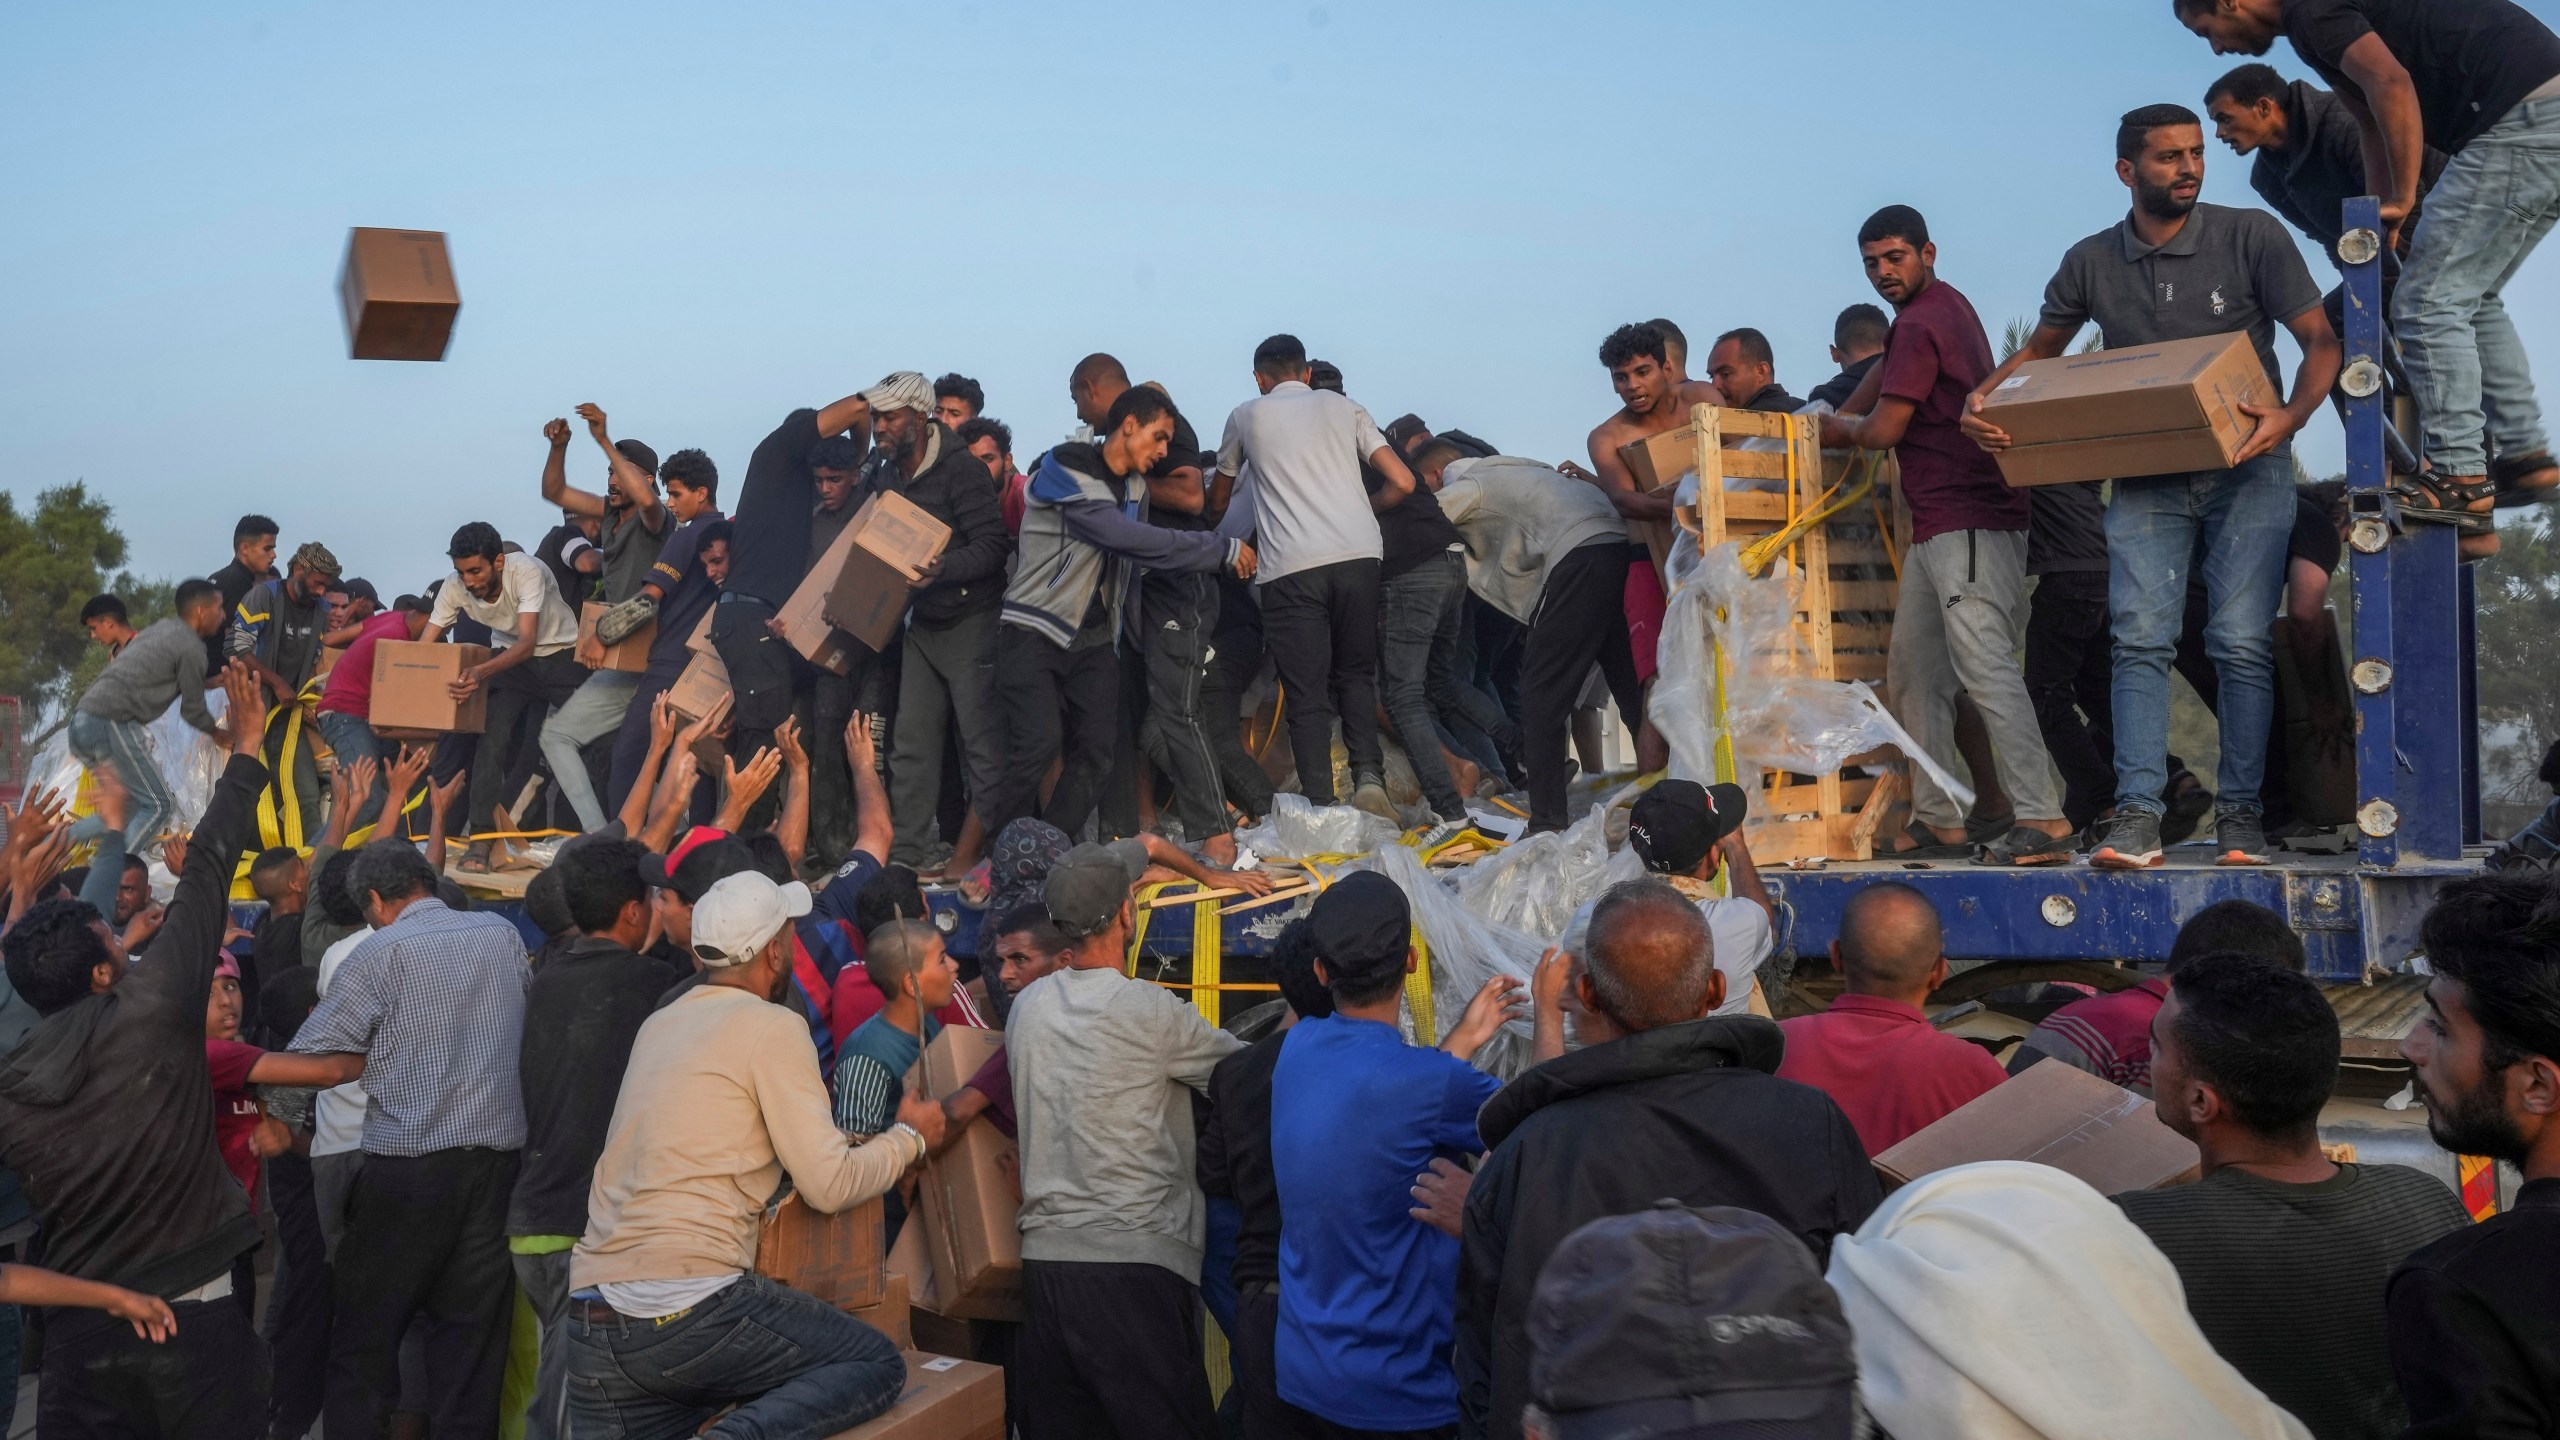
(1112, 1220)
(1084, 538)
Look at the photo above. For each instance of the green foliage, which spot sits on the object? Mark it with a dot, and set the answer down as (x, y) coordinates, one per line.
(2517, 625)
(52, 559)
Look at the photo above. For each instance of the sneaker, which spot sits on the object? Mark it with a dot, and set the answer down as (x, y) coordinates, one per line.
(1436, 832)
(1371, 795)
(2131, 841)
(2240, 838)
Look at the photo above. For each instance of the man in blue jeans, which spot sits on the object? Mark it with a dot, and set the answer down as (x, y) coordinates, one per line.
(667, 1323)
(2174, 269)
(2480, 81)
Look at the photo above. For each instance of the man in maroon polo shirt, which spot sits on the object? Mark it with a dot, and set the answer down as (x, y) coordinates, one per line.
(1874, 1051)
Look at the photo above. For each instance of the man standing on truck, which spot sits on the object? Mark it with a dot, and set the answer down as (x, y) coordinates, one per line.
(2175, 269)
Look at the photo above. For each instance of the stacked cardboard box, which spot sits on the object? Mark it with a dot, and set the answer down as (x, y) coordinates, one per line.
(2120, 414)
(947, 1398)
(837, 1258)
(972, 1193)
(862, 584)
(409, 694)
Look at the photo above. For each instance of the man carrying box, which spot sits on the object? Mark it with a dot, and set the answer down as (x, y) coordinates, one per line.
(667, 1325)
(634, 527)
(1964, 583)
(2175, 269)
(513, 595)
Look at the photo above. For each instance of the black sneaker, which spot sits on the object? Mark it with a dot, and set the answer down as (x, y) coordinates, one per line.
(2240, 838)
(2131, 841)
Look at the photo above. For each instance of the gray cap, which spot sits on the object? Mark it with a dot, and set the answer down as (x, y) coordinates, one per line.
(1087, 887)
(1696, 1323)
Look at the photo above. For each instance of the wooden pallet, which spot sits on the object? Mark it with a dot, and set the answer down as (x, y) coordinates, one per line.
(1847, 569)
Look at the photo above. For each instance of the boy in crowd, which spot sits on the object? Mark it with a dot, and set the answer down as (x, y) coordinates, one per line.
(2223, 270)
(253, 559)
(110, 726)
(105, 619)
(2283, 1254)
(1366, 1294)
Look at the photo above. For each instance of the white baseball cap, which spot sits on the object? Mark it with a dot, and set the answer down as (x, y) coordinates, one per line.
(739, 916)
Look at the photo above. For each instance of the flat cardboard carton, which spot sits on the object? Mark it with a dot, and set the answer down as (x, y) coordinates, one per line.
(330, 655)
(2053, 1115)
(836, 1258)
(2140, 410)
(804, 616)
(631, 657)
(1658, 461)
(890, 1316)
(947, 1398)
(397, 287)
(409, 677)
(885, 548)
(973, 1193)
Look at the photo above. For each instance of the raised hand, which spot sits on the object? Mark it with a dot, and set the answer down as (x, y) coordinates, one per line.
(747, 786)
(1501, 998)
(246, 697)
(663, 720)
(442, 796)
(858, 748)
(794, 757)
(409, 769)
(358, 779)
(594, 416)
(557, 432)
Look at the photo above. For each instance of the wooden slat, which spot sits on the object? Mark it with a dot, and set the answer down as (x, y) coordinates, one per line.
(1858, 665)
(1747, 424)
(1858, 552)
(1753, 464)
(1755, 505)
(1861, 594)
(1845, 638)
(1799, 799)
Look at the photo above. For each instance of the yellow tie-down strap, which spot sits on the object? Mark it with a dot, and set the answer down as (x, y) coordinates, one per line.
(1208, 983)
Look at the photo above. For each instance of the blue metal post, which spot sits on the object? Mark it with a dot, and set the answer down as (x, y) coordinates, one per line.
(2371, 537)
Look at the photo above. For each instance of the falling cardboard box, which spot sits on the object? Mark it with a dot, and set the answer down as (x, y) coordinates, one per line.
(946, 1398)
(2053, 1115)
(631, 657)
(397, 287)
(863, 582)
(840, 1258)
(2141, 410)
(409, 680)
(972, 1193)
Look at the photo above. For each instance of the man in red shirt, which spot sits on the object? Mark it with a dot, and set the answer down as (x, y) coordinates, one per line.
(1874, 1051)
(2110, 1035)
(1964, 580)
(346, 697)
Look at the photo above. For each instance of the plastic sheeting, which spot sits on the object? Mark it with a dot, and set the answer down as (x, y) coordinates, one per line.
(1536, 884)
(189, 762)
(1295, 828)
(1777, 713)
(1466, 951)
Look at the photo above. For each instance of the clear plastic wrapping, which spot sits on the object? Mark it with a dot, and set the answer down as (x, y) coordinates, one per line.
(1536, 884)
(1295, 828)
(1466, 951)
(1779, 715)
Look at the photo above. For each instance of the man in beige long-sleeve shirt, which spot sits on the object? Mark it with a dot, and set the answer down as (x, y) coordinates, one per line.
(720, 1100)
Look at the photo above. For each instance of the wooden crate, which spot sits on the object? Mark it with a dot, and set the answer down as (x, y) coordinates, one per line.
(1848, 571)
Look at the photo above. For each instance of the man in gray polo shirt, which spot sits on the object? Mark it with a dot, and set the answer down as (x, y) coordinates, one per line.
(2174, 269)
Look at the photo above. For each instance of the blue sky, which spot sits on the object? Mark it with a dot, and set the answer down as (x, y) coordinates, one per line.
(703, 216)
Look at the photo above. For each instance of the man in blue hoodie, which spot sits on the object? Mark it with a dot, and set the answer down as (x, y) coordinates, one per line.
(1084, 538)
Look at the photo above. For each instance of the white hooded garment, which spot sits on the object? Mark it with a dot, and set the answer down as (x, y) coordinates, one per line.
(2009, 1301)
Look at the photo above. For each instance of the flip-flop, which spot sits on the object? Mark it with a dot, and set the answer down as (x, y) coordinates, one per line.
(475, 858)
(1928, 846)
(1989, 828)
(2025, 845)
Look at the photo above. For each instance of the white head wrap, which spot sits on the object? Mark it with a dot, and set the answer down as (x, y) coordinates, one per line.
(2009, 1301)
(903, 390)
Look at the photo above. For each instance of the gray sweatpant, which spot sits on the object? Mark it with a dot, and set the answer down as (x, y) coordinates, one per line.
(1955, 627)
(948, 675)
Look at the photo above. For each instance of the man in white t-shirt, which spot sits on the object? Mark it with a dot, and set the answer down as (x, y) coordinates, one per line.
(720, 1102)
(1682, 830)
(514, 595)
(1315, 527)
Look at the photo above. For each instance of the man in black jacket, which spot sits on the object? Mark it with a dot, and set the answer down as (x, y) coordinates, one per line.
(2309, 149)
(106, 1115)
(1661, 1103)
(581, 1013)
(947, 676)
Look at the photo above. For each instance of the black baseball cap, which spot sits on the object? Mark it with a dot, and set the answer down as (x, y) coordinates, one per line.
(1361, 927)
(701, 859)
(1708, 1324)
(1674, 824)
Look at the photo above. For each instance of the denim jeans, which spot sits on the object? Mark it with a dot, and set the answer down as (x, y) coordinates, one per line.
(127, 747)
(594, 712)
(796, 1367)
(2495, 202)
(2243, 517)
(1422, 618)
(351, 739)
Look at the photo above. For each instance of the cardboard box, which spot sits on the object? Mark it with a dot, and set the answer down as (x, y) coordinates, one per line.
(330, 655)
(702, 689)
(1658, 461)
(804, 616)
(890, 1316)
(911, 1260)
(2141, 410)
(409, 680)
(837, 1258)
(631, 657)
(699, 642)
(397, 288)
(868, 573)
(972, 1194)
(947, 1398)
(2053, 1115)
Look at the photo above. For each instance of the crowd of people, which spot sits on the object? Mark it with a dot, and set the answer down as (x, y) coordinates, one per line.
(1669, 1223)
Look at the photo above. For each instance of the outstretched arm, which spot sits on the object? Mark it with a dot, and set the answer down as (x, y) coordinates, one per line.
(636, 485)
(556, 489)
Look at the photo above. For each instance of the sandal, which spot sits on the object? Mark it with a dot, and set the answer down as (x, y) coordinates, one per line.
(1983, 830)
(2524, 479)
(2025, 845)
(475, 858)
(2432, 499)
(1927, 846)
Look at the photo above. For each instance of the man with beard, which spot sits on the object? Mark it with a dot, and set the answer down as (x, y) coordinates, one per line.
(2174, 269)
(2475, 1318)
(512, 594)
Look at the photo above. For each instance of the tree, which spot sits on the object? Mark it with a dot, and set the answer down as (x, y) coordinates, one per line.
(2516, 624)
(51, 561)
